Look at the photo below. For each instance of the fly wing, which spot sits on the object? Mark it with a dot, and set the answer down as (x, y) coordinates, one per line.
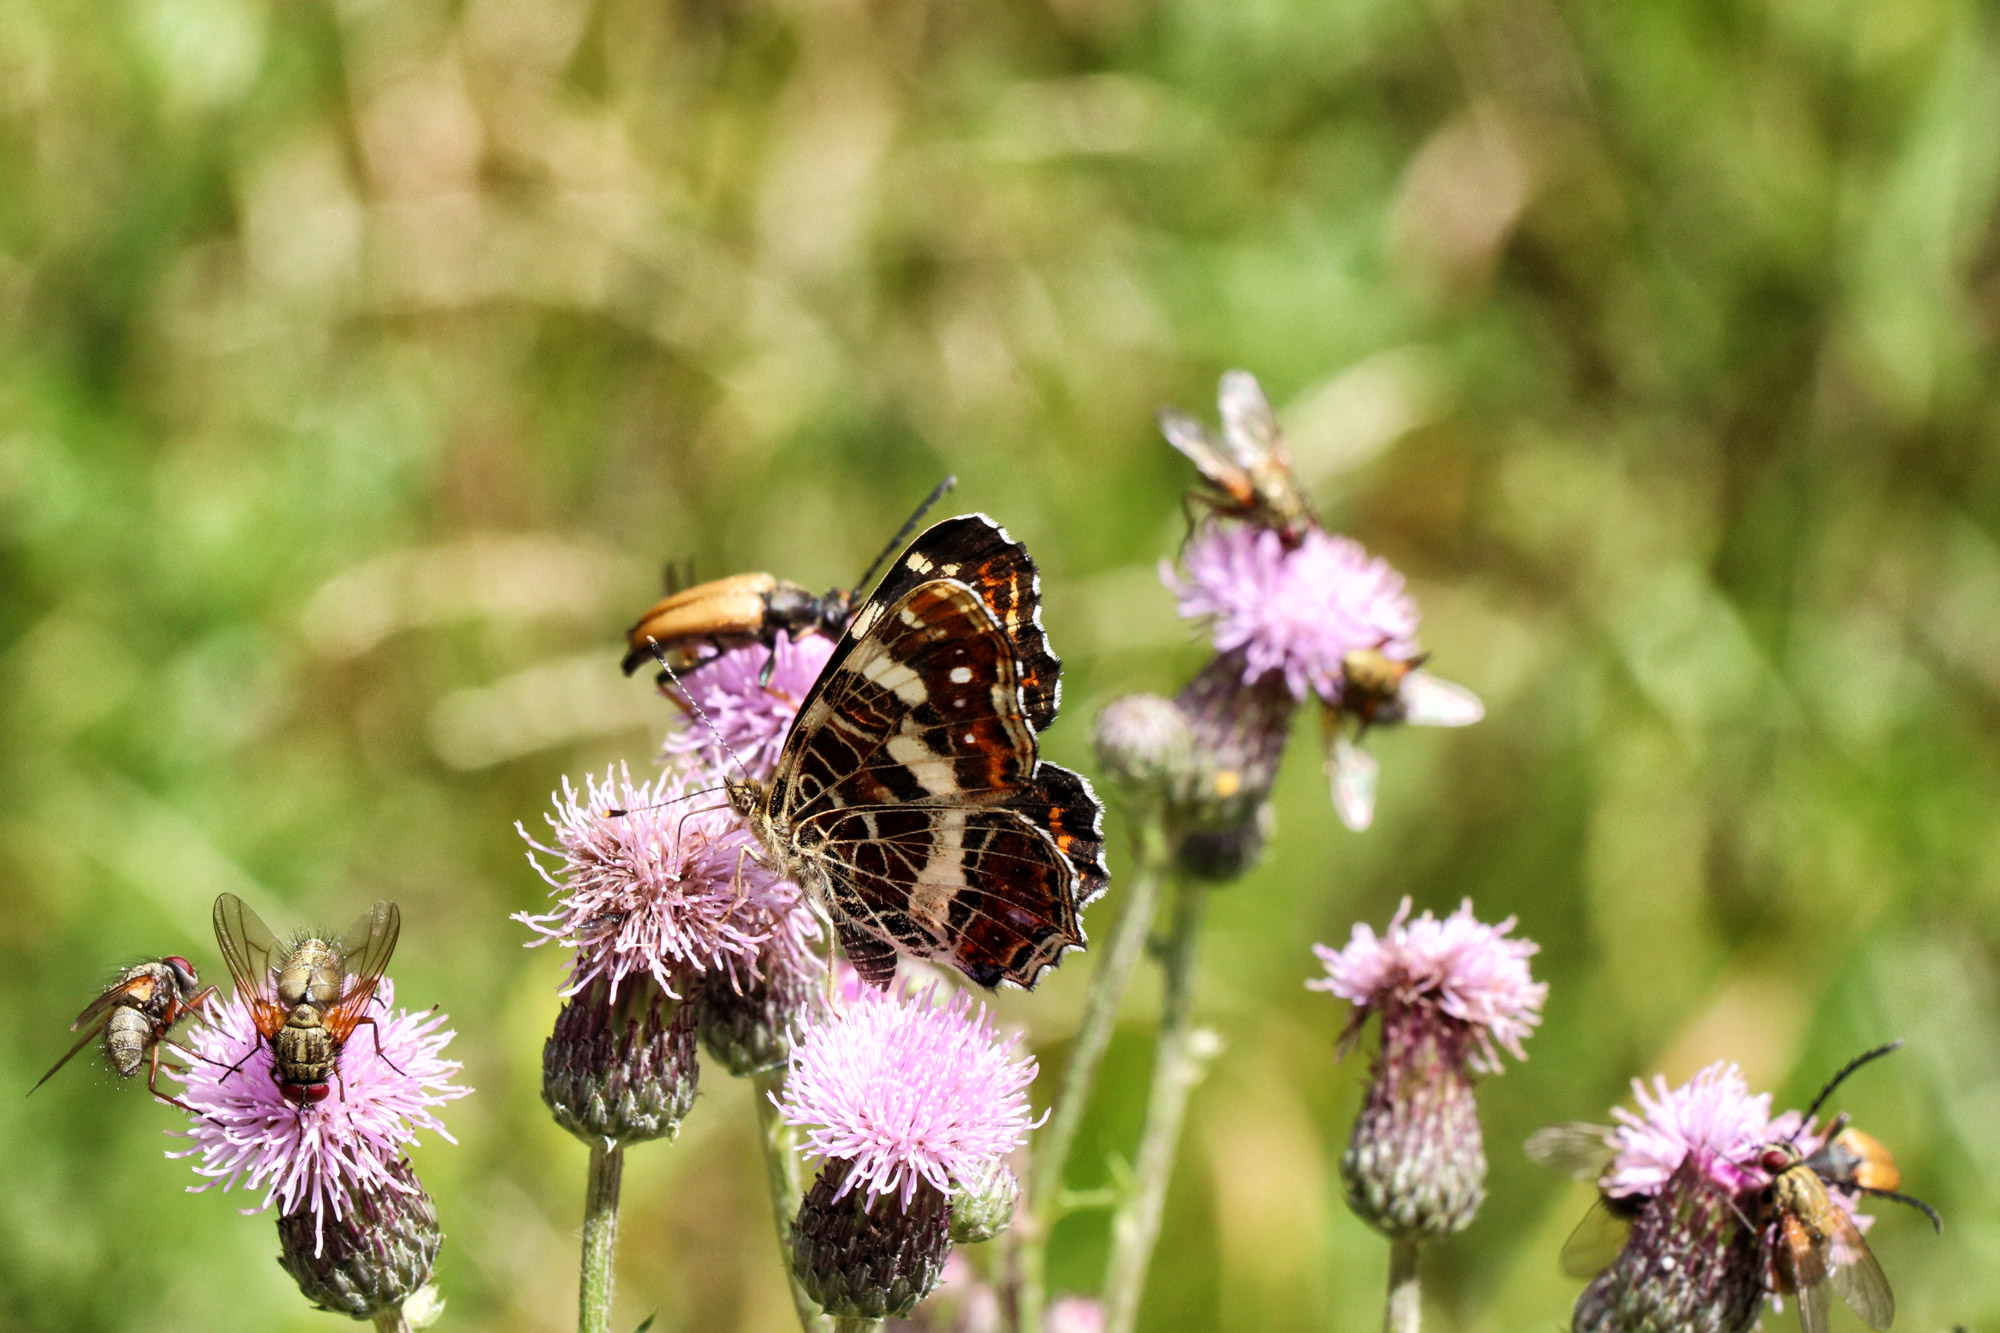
(1430, 702)
(1856, 1275)
(1210, 459)
(1803, 1261)
(251, 952)
(364, 949)
(1354, 772)
(1578, 1150)
(96, 1014)
(1249, 427)
(1595, 1242)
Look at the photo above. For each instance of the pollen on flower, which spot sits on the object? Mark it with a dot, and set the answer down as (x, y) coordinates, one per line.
(656, 879)
(321, 1155)
(1712, 1115)
(1296, 610)
(749, 718)
(907, 1090)
(1468, 970)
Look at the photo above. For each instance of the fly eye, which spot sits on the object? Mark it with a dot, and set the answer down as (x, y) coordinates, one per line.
(1774, 1160)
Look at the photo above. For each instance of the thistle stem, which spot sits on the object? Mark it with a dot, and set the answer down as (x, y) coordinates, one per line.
(783, 1174)
(854, 1323)
(391, 1321)
(600, 1237)
(1178, 1064)
(1100, 1017)
(1405, 1313)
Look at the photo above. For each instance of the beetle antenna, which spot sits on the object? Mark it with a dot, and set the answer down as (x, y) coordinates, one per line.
(896, 542)
(1841, 1077)
(659, 656)
(1937, 1223)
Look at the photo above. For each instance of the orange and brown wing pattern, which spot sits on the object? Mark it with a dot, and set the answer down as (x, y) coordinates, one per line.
(365, 948)
(974, 550)
(251, 952)
(911, 788)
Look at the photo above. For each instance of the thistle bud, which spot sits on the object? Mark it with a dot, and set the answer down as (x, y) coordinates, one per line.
(1689, 1264)
(1449, 992)
(1144, 743)
(983, 1205)
(621, 1067)
(752, 1029)
(371, 1257)
(872, 1256)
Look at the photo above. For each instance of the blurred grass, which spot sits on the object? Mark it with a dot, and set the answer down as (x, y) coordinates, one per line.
(360, 362)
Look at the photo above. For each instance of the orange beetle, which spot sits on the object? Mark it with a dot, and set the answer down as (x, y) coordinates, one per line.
(743, 609)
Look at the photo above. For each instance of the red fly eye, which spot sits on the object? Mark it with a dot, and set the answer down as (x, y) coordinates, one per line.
(1775, 1160)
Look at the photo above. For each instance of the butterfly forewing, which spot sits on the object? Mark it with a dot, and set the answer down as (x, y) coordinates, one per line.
(975, 551)
(251, 952)
(364, 948)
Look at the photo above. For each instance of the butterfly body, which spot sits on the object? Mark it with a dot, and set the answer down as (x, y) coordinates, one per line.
(910, 799)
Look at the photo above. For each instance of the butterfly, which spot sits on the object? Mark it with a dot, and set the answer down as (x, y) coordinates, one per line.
(1248, 472)
(910, 797)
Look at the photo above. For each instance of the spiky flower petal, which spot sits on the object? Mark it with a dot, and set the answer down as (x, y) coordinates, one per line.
(313, 1160)
(745, 719)
(656, 879)
(1295, 609)
(909, 1091)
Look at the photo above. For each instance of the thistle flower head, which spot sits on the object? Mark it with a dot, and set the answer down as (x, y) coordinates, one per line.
(751, 719)
(653, 879)
(1712, 1118)
(1296, 610)
(320, 1156)
(1467, 970)
(908, 1090)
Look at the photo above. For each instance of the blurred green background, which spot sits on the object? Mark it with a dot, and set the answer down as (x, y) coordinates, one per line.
(361, 361)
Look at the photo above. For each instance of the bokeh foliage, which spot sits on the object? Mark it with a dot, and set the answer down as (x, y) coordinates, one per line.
(360, 361)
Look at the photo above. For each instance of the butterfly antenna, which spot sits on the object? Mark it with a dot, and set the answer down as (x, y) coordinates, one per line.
(896, 542)
(1841, 1078)
(713, 730)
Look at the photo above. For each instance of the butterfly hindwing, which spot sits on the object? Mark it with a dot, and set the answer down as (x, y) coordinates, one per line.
(974, 550)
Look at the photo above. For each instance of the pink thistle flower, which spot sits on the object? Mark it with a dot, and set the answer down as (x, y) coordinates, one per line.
(322, 1155)
(671, 888)
(751, 719)
(1074, 1314)
(909, 1091)
(1470, 971)
(1296, 610)
(1712, 1117)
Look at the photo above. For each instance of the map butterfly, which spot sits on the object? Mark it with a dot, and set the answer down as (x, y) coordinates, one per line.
(910, 797)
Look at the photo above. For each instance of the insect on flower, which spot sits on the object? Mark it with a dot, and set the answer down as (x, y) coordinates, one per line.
(1378, 691)
(1815, 1242)
(910, 797)
(307, 997)
(747, 608)
(134, 1016)
(1247, 473)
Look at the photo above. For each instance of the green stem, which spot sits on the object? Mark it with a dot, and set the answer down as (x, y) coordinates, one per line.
(391, 1321)
(854, 1323)
(786, 1179)
(1028, 1239)
(1406, 1299)
(1178, 1062)
(600, 1237)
